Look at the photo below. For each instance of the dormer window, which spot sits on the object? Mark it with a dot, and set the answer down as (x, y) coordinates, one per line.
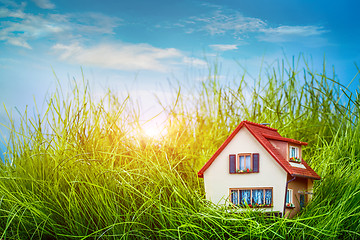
(294, 154)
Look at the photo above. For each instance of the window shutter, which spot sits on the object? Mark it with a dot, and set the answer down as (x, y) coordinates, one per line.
(232, 163)
(255, 162)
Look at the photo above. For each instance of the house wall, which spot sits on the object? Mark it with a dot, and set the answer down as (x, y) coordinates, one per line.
(282, 147)
(218, 180)
(299, 184)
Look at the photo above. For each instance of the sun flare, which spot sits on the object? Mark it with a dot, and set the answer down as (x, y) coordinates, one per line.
(153, 132)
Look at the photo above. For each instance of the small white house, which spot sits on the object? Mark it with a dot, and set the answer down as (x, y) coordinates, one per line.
(256, 167)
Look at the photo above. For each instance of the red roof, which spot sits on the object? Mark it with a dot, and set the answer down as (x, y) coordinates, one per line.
(263, 134)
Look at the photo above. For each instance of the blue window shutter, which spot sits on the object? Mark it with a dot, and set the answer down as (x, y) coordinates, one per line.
(232, 163)
(255, 162)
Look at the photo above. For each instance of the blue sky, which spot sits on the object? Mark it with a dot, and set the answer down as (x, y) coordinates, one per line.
(136, 46)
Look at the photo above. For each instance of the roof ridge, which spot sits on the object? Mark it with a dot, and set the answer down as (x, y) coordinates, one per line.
(281, 138)
(260, 125)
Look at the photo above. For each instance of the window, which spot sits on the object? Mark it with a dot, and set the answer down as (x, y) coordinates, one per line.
(257, 197)
(244, 163)
(302, 201)
(294, 152)
(289, 198)
(241, 197)
(245, 197)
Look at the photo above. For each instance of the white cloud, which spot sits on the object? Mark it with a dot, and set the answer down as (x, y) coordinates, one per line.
(25, 27)
(14, 4)
(4, 13)
(17, 42)
(224, 47)
(220, 23)
(288, 33)
(119, 56)
(94, 23)
(231, 22)
(44, 4)
(296, 30)
(194, 61)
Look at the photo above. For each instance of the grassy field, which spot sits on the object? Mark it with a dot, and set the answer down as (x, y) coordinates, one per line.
(83, 170)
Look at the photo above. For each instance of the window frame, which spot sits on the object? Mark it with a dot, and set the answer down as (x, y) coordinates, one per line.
(252, 205)
(297, 157)
(290, 197)
(237, 169)
(234, 163)
(296, 151)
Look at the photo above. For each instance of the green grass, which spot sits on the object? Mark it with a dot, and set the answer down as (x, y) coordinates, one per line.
(83, 170)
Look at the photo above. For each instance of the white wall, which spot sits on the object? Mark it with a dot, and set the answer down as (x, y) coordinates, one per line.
(218, 180)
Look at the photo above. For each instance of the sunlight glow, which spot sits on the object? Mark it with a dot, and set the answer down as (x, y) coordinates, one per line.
(155, 128)
(153, 132)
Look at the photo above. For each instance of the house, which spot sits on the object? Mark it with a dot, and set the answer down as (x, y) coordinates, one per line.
(258, 168)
